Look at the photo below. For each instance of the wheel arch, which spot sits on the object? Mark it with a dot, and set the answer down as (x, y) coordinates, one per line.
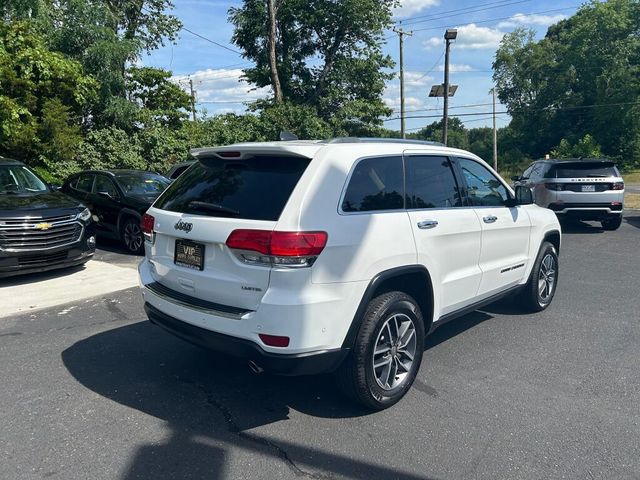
(554, 238)
(414, 280)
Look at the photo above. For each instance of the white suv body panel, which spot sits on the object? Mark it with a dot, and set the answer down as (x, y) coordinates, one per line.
(315, 306)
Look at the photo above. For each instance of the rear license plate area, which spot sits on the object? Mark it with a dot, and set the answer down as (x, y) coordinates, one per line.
(189, 254)
(588, 188)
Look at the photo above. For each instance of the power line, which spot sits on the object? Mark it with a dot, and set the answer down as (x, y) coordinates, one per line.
(455, 10)
(211, 41)
(490, 20)
(469, 10)
(182, 27)
(549, 109)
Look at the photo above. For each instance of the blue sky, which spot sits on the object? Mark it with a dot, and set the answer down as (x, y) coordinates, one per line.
(216, 71)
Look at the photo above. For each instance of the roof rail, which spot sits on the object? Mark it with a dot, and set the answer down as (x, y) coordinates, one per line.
(382, 140)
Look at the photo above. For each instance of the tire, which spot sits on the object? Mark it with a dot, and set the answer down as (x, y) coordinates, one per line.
(612, 223)
(534, 296)
(386, 315)
(131, 235)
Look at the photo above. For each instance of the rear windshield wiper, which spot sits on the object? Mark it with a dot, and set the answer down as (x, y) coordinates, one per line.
(212, 207)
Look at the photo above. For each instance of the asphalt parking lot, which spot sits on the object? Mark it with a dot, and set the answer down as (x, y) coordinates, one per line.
(95, 391)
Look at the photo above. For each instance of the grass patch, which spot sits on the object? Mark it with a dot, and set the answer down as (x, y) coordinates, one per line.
(631, 177)
(632, 200)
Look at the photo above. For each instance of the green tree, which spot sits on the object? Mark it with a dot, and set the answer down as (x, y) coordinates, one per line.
(457, 134)
(583, 77)
(43, 98)
(586, 147)
(322, 53)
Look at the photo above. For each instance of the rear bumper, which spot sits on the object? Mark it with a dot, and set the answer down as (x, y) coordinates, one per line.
(307, 363)
(587, 211)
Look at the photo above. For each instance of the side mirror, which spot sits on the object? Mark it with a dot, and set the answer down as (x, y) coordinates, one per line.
(516, 178)
(524, 195)
(54, 187)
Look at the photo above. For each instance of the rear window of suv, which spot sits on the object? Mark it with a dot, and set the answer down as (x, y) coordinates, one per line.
(256, 188)
(583, 169)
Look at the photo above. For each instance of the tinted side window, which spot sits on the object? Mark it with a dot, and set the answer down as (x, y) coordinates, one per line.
(536, 172)
(527, 173)
(103, 184)
(376, 184)
(85, 182)
(483, 188)
(431, 183)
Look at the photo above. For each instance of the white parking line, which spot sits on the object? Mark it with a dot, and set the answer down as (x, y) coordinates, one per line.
(35, 292)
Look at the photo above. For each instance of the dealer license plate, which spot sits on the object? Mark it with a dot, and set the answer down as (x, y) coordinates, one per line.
(189, 254)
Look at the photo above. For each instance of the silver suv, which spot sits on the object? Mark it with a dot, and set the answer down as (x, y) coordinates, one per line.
(580, 189)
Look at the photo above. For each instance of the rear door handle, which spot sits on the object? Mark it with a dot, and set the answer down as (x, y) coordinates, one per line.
(426, 224)
(490, 219)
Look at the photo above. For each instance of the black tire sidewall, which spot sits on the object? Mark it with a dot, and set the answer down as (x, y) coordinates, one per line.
(127, 221)
(407, 306)
(547, 248)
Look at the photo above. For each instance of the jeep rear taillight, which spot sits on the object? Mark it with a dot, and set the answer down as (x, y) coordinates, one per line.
(285, 249)
(146, 224)
(618, 186)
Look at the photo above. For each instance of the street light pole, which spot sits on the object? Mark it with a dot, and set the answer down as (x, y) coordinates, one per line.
(449, 35)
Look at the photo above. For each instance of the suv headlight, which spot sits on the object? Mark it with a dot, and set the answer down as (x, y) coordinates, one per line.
(84, 215)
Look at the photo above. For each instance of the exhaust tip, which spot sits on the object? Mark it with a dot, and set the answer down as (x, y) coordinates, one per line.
(255, 368)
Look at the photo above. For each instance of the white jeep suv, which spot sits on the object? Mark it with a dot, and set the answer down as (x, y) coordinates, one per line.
(341, 255)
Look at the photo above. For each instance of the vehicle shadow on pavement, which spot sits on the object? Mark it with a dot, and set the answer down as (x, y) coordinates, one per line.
(633, 220)
(214, 406)
(576, 226)
(31, 278)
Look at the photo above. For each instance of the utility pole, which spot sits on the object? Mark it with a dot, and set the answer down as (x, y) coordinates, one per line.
(495, 132)
(401, 33)
(449, 35)
(193, 100)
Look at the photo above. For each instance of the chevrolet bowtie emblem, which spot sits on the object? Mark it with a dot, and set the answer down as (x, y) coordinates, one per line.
(43, 226)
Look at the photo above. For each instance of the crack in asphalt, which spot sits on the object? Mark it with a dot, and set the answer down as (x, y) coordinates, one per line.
(233, 428)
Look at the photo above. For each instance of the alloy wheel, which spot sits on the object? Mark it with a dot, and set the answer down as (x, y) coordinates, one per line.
(394, 351)
(133, 236)
(547, 277)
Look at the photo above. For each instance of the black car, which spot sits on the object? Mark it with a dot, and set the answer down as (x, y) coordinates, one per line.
(40, 228)
(117, 199)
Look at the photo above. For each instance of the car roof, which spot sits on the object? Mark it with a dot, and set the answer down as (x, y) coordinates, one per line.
(9, 161)
(118, 171)
(577, 160)
(309, 148)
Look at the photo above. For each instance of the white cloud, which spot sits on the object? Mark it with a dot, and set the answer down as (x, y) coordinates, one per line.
(221, 89)
(416, 79)
(411, 7)
(457, 67)
(433, 42)
(533, 19)
(472, 37)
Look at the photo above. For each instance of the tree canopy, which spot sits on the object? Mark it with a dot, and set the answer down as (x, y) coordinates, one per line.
(327, 54)
(582, 78)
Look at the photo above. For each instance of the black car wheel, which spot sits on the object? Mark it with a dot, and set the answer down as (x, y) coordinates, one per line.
(132, 235)
(539, 291)
(612, 223)
(387, 353)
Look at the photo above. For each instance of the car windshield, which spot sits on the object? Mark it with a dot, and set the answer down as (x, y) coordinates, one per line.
(583, 169)
(142, 184)
(15, 179)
